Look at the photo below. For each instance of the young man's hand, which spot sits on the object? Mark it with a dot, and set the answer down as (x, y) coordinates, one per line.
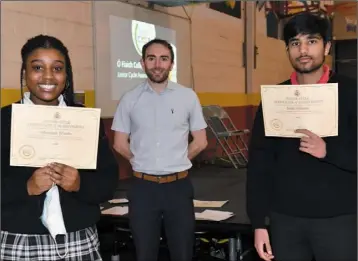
(312, 144)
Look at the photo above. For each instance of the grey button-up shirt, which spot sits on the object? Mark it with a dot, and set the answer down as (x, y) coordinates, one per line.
(158, 126)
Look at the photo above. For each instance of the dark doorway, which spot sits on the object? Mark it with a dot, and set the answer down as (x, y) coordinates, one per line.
(346, 57)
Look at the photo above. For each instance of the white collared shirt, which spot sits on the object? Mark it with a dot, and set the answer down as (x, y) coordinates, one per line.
(27, 100)
(159, 125)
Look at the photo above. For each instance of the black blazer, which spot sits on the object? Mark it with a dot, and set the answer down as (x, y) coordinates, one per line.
(20, 213)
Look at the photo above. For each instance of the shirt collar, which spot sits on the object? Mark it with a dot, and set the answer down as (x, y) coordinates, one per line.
(170, 86)
(324, 77)
(26, 100)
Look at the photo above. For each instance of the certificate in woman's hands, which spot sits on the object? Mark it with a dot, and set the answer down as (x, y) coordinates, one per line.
(44, 134)
(287, 108)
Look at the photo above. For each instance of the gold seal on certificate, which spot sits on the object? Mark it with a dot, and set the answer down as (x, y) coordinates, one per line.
(276, 124)
(287, 108)
(44, 134)
(27, 152)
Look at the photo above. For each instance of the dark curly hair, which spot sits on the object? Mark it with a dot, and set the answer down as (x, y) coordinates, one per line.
(49, 42)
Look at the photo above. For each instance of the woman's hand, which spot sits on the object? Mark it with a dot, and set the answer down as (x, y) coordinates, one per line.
(65, 176)
(40, 181)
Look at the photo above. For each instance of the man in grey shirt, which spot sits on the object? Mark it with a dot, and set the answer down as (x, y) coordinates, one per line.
(157, 116)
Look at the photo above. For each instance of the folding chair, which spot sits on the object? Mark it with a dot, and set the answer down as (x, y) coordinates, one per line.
(230, 138)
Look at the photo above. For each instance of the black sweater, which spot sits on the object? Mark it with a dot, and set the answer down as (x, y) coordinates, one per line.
(20, 213)
(282, 179)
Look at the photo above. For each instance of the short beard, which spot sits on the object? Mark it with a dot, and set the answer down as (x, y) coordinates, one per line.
(161, 80)
(310, 70)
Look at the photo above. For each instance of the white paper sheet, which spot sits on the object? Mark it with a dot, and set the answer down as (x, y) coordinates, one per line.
(119, 211)
(209, 204)
(118, 200)
(214, 215)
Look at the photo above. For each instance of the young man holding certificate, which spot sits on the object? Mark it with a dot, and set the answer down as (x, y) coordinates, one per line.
(50, 211)
(306, 187)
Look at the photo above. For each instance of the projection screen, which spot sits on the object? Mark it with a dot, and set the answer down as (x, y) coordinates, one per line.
(120, 31)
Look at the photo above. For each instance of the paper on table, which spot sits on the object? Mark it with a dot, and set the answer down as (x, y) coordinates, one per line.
(120, 211)
(214, 215)
(118, 200)
(209, 204)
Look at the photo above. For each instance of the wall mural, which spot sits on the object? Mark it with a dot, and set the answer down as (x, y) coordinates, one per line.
(229, 7)
(285, 9)
(349, 11)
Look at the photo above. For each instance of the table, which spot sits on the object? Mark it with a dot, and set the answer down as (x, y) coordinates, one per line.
(210, 183)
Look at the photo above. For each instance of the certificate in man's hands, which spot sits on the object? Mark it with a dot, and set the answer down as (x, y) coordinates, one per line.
(44, 134)
(287, 108)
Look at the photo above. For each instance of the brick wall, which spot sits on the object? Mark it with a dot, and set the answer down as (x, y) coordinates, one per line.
(70, 21)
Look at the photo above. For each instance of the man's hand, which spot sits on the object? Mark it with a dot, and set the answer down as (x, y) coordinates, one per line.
(65, 176)
(198, 143)
(312, 144)
(39, 182)
(262, 244)
(121, 144)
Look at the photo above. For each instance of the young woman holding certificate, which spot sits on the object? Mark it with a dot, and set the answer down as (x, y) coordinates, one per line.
(50, 213)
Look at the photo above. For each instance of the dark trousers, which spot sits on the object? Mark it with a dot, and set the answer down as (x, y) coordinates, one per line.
(302, 239)
(151, 203)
